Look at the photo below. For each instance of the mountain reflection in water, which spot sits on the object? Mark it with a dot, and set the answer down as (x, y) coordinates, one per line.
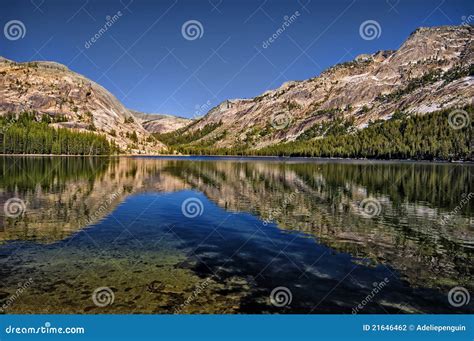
(333, 234)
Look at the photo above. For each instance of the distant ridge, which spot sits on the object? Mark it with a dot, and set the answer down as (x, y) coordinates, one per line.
(431, 71)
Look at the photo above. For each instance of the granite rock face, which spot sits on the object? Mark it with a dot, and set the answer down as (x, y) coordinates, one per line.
(161, 123)
(51, 88)
(432, 70)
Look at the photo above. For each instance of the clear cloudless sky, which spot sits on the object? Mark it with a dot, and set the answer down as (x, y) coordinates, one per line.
(146, 62)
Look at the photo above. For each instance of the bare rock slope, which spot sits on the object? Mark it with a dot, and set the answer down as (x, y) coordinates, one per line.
(51, 88)
(160, 123)
(432, 70)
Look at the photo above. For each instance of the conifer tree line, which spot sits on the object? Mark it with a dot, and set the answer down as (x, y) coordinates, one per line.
(432, 136)
(26, 134)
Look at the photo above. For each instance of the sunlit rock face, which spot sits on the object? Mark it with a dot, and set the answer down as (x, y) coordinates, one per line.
(416, 78)
(51, 88)
(160, 123)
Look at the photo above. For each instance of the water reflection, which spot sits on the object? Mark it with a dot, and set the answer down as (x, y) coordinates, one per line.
(91, 222)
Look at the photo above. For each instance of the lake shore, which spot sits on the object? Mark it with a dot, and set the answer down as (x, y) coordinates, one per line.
(296, 159)
(249, 157)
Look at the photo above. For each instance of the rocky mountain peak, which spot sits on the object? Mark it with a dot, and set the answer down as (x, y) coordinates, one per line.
(50, 88)
(431, 70)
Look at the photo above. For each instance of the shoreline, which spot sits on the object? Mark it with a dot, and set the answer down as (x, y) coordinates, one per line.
(249, 157)
(297, 159)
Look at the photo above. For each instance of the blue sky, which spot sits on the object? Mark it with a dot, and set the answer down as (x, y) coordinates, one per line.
(144, 59)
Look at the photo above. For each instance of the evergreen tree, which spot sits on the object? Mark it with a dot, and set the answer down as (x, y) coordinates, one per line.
(25, 135)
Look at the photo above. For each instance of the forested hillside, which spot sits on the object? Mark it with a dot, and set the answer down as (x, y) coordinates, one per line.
(23, 134)
(432, 70)
(73, 102)
(421, 137)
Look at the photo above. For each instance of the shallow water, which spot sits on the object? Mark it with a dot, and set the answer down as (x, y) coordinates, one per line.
(215, 235)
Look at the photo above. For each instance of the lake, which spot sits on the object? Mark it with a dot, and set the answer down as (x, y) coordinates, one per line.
(235, 235)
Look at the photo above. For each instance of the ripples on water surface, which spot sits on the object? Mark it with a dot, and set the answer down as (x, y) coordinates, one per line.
(218, 235)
